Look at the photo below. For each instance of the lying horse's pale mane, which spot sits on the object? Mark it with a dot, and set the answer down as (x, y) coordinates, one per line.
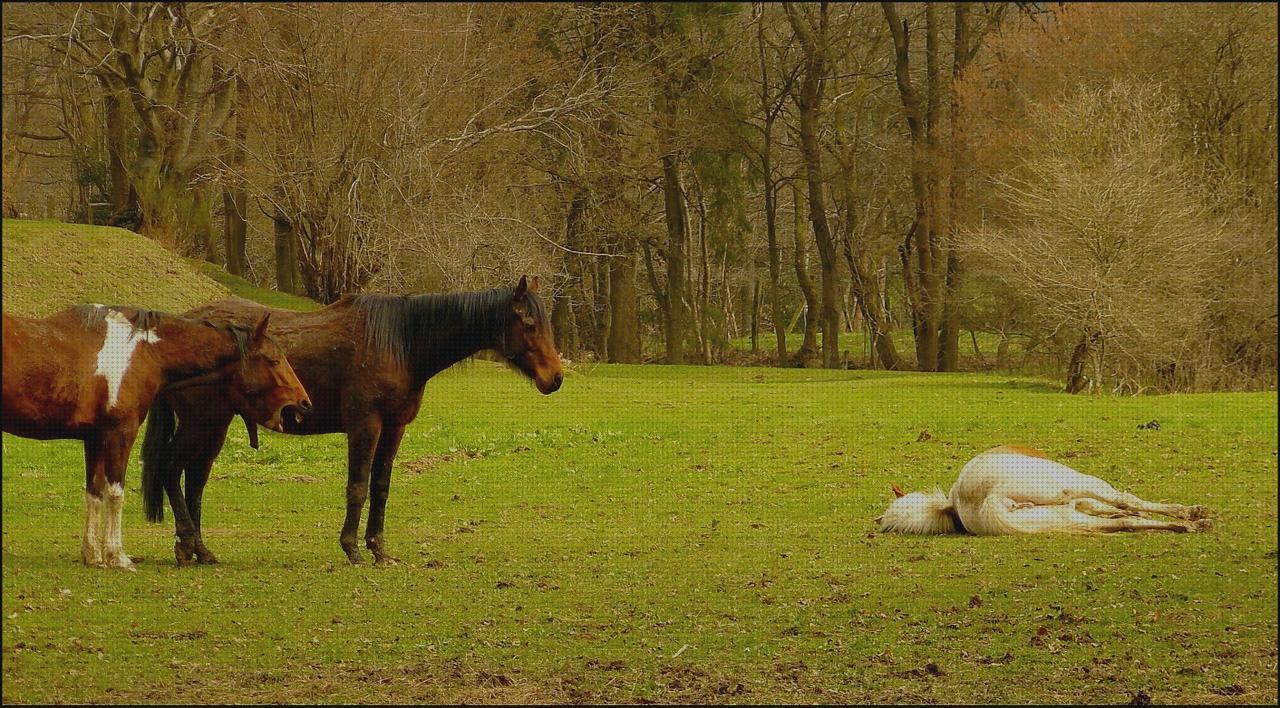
(922, 513)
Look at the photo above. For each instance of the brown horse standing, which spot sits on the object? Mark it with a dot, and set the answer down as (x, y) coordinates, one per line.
(365, 360)
(91, 373)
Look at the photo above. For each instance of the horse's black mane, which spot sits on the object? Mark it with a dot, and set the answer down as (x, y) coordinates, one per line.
(143, 319)
(458, 321)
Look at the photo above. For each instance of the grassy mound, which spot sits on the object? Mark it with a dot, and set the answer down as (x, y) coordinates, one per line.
(243, 288)
(50, 265)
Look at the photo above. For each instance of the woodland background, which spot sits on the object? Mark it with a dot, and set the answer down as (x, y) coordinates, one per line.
(1088, 189)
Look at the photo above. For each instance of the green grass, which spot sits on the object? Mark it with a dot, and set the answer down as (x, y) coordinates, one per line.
(669, 534)
(243, 288)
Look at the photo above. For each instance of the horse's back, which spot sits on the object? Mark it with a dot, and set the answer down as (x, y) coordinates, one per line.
(320, 345)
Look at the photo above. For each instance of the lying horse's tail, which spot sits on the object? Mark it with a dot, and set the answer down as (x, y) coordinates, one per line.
(157, 457)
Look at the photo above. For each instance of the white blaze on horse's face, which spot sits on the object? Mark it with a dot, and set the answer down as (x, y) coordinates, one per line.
(117, 352)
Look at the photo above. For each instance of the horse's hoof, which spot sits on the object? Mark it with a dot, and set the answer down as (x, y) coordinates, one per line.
(1202, 525)
(1197, 513)
(353, 554)
(385, 561)
(121, 562)
(136, 559)
(206, 558)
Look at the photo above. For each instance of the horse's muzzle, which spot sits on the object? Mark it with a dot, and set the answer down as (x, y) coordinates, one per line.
(553, 385)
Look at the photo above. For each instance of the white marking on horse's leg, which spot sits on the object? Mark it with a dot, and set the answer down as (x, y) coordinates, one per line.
(91, 544)
(116, 353)
(113, 554)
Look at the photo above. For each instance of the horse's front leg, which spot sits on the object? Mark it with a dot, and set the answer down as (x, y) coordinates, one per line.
(116, 446)
(388, 445)
(362, 444)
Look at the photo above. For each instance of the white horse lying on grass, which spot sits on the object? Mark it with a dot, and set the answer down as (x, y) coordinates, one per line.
(1017, 490)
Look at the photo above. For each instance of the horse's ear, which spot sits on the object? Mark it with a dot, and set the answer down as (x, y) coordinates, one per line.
(897, 491)
(260, 330)
(521, 287)
(533, 286)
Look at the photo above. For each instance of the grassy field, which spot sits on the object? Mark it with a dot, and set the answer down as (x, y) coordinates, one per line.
(669, 534)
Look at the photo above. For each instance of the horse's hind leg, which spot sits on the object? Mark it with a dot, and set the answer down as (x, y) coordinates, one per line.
(362, 443)
(202, 448)
(95, 484)
(116, 447)
(184, 546)
(380, 488)
(1093, 507)
(1094, 488)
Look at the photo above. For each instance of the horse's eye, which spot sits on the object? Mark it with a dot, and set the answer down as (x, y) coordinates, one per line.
(273, 362)
(529, 326)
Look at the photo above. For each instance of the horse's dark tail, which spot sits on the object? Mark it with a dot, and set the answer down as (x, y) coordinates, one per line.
(157, 455)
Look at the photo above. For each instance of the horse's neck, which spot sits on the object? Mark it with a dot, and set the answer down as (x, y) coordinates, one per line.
(440, 344)
(186, 349)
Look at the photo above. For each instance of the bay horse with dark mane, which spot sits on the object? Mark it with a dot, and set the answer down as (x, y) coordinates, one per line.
(365, 360)
(91, 372)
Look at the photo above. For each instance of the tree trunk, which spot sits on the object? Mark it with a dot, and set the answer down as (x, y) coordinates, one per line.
(775, 270)
(202, 222)
(807, 356)
(600, 315)
(867, 290)
(704, 285)
(235, 229)
(575, 318)
(117, 140)
(809, 103)
(770, 108)
(949, 357)
(677, 222)
(624, 318)
(288, 278)
(755, 312)
(924, 281)
(235, 201)
(563, 325)
(1076, 378)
